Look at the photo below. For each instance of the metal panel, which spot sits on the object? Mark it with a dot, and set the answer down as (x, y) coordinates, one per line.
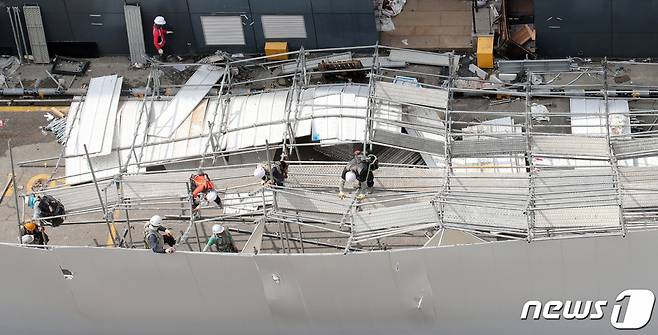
(96, 119)
(306, 201)
(37, 36)
(490, 147)
(484, 216)
(412, 95)
(423, 57)
(187, 98)
(607, 216)
(570, 146)
(393, 217)
(283, 26)
(544, 65)
(408, 142)
(635, 148)
(133, 15)
(85, 197)
(222, 30)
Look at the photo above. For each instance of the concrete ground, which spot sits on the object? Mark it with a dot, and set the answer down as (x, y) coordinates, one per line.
(436, 25)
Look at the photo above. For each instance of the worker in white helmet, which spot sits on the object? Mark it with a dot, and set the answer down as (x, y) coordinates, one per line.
(204, 189)
(277, 175)
(360, 169)
(159, 35)
(156, 241)
(222, 240)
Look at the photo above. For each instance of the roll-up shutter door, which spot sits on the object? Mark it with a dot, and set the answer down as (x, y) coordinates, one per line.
(222, 30)
(283, 26)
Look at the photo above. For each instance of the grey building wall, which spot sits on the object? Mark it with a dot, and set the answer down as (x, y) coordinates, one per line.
(457, 290)
(597, 28)
(329, 23)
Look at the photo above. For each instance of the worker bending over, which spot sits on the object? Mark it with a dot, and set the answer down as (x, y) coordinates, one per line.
(360, 168)
(45, 207)
(203, 188)
(222, 240)
(156, 241)
(277, 175)
(31, 233)
(159, 36)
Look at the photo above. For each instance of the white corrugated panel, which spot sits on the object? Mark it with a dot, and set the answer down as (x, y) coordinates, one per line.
(222, 30)
(283, 26)
(245, 112)
(185, 101)
(93, 123)
(345, 109)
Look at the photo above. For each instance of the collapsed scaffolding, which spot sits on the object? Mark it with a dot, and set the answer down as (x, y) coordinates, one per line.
(501, 173)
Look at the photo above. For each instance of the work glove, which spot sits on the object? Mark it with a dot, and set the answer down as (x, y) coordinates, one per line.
(342, 195)
(160, 51)
(360, 196)
(170, 250)
(168, 232)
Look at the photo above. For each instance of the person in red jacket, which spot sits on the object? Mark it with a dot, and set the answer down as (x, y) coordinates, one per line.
(159, 35)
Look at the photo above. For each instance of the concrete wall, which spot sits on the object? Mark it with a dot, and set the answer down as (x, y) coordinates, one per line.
(329, 23)
(471, 289)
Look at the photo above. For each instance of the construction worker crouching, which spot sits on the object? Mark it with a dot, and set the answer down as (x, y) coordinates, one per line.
(277, 176)
(31, 233)
(47, 209)
(222, 240)
(204, 188)
(156, 241)
(360, 169)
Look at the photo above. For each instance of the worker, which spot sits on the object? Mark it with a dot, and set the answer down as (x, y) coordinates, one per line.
(222, 240)
(360, 169)
(159, 36)
(204, 188)
(31, 233)
(47, 209)
(277, 175)
(156, 241)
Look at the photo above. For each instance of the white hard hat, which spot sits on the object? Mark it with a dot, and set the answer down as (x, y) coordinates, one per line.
(155, 221)
(217, 229)
(26, 239)
(350, 177)
(259, 172)
(211, 195)
(159, 20)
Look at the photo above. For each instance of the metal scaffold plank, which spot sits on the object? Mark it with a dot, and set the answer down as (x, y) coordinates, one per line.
(490, 147)
(605, 216)
(570, 146)
(394, 217)
(134, 28)
(411, 95)
(408, 142)
(36, 34)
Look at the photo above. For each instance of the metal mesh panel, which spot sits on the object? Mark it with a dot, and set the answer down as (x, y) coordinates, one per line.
(635, 148)
(305, 201)
(396, 216)
(411, 95)
(570, 146)
(479, 148)
(474, 215)
(577, 217)
(85, 197)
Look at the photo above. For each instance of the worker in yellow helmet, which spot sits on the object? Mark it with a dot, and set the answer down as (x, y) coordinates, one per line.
(31, 233)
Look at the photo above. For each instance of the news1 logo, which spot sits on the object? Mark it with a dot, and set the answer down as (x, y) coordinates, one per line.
(635, 315)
